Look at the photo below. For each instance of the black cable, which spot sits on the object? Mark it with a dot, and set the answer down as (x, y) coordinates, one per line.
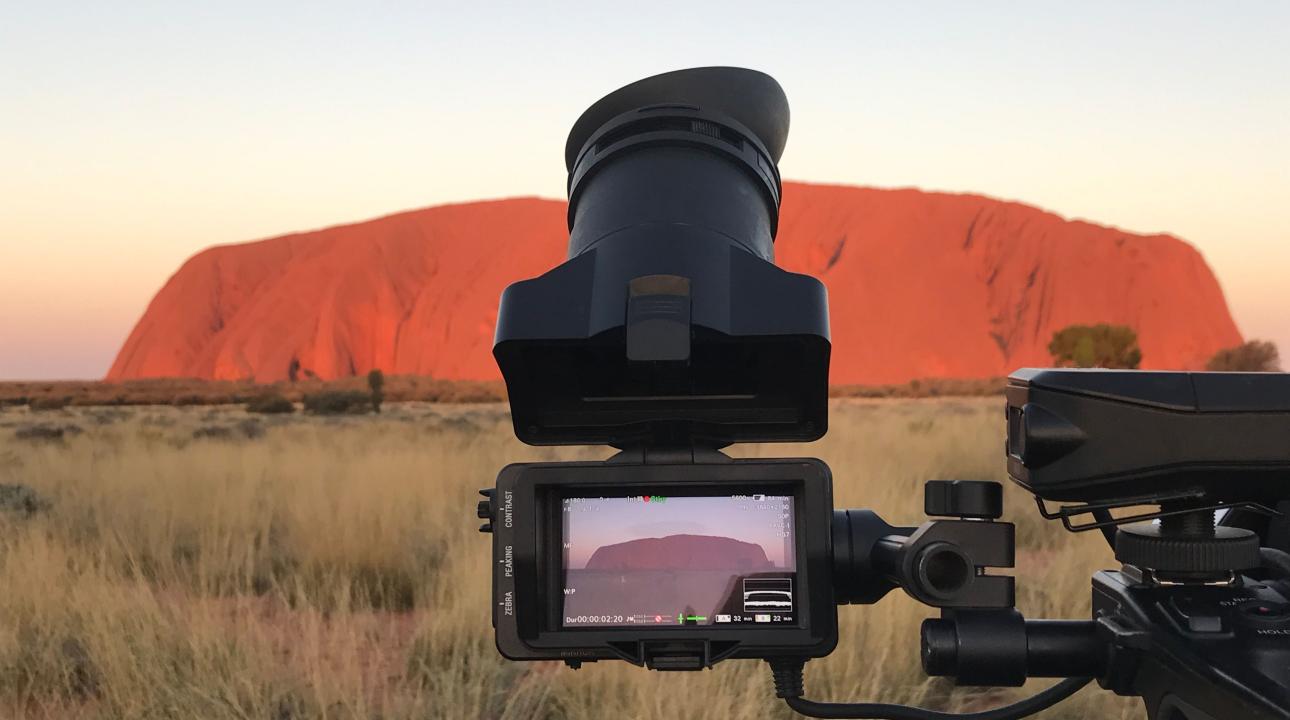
(882, 711)
(788, 685)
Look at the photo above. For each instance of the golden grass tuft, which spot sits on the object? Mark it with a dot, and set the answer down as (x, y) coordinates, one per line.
(330, 567)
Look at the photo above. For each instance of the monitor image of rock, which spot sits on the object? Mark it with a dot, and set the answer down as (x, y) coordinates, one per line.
(681, 552)
(692, 574)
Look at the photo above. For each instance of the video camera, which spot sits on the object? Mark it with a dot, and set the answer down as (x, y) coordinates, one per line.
(669, 334)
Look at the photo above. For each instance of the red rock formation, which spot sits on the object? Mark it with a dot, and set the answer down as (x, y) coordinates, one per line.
(920, 285)
(681, 552)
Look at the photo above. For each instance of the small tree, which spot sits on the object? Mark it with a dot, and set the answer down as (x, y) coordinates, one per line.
(376, 381)
(1251, 356)
(1102, 345)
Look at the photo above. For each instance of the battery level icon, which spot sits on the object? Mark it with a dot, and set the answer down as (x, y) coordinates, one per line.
(759, 498)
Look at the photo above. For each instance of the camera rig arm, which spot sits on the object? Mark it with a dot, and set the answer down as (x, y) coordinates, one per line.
(941, 563)
(1195, 623)
(980, 639)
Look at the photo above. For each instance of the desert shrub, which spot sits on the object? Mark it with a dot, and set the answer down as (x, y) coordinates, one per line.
(249, 429)
(213, 432)
(108, 416)
(1251, 356)
(21, 500)
(1102, 346)
(271, 404)
(52, 402)
(338, 402)
(462, 391)
(48, 433)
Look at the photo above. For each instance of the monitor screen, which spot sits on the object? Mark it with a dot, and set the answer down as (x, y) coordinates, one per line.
(679, 561)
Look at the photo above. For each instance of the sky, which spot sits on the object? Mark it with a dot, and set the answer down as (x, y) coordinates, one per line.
(133, 135)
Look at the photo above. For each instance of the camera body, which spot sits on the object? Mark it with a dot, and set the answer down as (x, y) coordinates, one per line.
(669, 564)
(1196, 651)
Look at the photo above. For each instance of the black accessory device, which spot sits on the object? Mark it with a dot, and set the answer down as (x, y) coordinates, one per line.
(669, 334)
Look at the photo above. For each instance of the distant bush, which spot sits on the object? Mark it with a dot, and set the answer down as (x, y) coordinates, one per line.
(1100, 346)
(460, 391)
(250, 429)
(21, 500)
(338, 402)
(51, 402)
(213, 432)
(924, 388)
(1252, 356)
(40, 433)
(270, 404)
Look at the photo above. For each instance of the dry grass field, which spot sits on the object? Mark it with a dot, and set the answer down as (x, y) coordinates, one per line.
(186, 392)
(198, 562)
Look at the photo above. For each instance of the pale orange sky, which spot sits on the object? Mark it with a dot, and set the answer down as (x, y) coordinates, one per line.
(132, 138)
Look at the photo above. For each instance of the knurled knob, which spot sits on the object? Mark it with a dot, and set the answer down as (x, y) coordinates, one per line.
(1145, 545)
(484, 510)
(978, 499)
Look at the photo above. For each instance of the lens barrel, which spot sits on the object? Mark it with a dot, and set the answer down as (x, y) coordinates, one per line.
(707, 173)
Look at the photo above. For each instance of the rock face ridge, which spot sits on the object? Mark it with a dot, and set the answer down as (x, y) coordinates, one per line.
(681, 552)
(920, 285)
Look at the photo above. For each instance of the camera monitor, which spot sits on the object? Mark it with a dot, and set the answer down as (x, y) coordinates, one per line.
(658, 560)
(673, 566)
